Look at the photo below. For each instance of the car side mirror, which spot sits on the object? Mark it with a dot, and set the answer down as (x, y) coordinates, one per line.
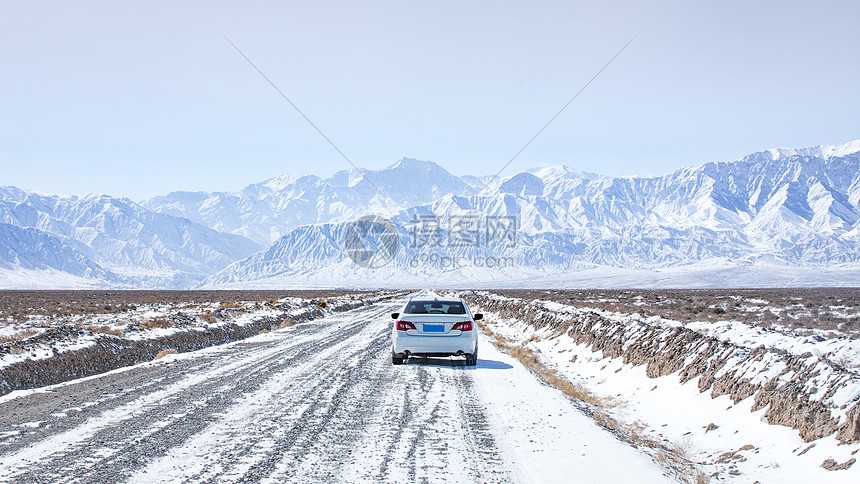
(478, 316)
(395, 315)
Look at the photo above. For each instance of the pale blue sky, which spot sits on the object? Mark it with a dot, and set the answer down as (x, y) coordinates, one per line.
(139, 99)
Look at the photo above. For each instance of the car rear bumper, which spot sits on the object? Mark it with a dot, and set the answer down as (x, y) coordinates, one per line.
(434, 345)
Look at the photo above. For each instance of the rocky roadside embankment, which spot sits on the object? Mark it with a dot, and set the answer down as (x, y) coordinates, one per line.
(810, 393)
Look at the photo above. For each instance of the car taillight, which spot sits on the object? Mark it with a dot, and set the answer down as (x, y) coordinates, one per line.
(404, 325)
(464, 326)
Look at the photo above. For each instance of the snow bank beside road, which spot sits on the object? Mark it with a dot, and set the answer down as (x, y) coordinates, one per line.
(546, 437)
(663, 369)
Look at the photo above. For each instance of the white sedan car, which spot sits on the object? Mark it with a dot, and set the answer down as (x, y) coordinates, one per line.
(435, 327)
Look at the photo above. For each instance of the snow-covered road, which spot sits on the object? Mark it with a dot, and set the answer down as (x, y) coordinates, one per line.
(316, 402)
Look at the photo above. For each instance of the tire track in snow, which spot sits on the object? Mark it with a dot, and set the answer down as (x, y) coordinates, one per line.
(317, 402)
(428, 429)
(58, 455)
(294, 411)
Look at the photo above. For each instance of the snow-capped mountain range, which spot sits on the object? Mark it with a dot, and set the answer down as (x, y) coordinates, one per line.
(796, 211)
(107, 241)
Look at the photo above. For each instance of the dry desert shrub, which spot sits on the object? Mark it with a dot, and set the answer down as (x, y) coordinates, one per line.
(18, 336)
(15, 350)
(685, 448)
(843, 361)
(485, 328)
(161, 354)
(107, 330)
(702, 478)
(156, 322)
(111, 309)
(635, 432)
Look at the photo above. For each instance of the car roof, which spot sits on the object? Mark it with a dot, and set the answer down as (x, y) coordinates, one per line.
(440, 299)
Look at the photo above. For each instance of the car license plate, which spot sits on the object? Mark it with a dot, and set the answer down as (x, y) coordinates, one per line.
(434, 328)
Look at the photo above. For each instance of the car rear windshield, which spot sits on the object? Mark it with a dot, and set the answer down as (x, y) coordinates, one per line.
(435, 307)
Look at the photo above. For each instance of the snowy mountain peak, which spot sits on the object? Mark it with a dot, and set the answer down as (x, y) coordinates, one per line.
(412, 164)
(562, 171)
(524, 184)
(844, 149)
(403, 170)
(280, 182)
(820, 151)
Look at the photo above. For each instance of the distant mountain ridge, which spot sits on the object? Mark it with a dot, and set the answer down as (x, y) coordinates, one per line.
(116, 239)
(263, 212)
(779, 207)
(33, 249)
(783, 207)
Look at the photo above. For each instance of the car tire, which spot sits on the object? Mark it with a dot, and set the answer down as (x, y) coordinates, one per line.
(397, 360)
(472, 360)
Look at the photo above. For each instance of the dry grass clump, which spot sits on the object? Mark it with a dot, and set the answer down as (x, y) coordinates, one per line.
(844, 362)
(156, 322)
(635, 432)
(18, 336)
(161, 354)
(321, 304)
(685, 448)
(701, 478)
(107, 330)
(15, 350)
(287, 323)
